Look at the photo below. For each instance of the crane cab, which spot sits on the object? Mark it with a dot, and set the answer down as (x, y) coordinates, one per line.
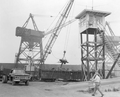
(91, 19)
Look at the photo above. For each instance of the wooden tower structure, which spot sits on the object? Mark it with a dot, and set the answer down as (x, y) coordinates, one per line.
(91, 25)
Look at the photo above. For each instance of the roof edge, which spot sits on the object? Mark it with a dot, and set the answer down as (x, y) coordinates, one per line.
(92, 11)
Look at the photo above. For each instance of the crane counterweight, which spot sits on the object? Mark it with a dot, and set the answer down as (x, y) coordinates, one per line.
(22, 32)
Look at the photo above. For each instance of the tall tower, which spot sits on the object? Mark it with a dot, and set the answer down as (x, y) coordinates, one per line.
(91, 25)
(30, 49)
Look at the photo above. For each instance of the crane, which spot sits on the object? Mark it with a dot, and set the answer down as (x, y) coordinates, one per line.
(24, 32)
(57, 30)
(31, 40)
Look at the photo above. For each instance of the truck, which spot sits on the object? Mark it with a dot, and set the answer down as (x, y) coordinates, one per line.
(15, 76)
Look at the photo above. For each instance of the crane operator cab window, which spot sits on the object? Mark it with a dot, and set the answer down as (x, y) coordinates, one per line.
(91, 20)
(95, 20)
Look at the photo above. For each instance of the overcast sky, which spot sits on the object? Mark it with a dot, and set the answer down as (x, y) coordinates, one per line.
(14, 13)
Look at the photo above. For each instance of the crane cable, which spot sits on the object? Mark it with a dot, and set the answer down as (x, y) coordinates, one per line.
(67, 39)
(52, 24)
(56, 17)
(68, 34)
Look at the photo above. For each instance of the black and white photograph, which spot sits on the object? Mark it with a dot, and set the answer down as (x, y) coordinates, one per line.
(59, 48)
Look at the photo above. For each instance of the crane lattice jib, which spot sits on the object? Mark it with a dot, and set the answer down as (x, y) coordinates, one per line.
(55, 34)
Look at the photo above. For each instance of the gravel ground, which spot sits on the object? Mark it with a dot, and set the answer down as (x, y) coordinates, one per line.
(111, 88)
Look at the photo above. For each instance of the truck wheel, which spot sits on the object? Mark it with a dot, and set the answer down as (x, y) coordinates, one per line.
(13, 83)
(4, 79)
(27, 83)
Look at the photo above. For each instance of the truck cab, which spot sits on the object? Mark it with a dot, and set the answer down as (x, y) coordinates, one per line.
(16, 76)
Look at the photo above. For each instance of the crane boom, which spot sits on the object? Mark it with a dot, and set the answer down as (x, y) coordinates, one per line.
(56, 32)
(60, 27)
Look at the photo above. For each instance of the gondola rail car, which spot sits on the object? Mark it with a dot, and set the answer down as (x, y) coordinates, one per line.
(61, 74)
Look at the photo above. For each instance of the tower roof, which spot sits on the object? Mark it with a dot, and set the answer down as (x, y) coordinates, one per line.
(96, 12)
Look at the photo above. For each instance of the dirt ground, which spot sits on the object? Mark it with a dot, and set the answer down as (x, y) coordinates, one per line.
(110, 88)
